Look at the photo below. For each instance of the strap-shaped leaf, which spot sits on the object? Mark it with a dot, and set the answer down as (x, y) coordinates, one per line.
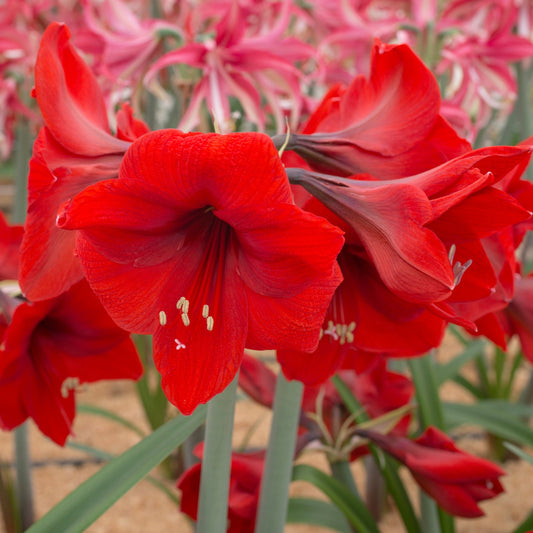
(499, 418)
(351, 506)
(317, 513)
(91, 499)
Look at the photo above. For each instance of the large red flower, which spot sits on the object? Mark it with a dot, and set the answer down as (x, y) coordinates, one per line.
(388, 125)
(52, 347)
(401, 282)
(456, 480)
(199, 243)
(74, 149)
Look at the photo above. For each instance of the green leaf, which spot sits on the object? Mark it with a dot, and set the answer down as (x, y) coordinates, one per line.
(519, 452)
(396, 489)
(110, 415)
(351, 506)
(427, 391)
(500, 418)
(474, 390)
(449, 370)
(106, 456)
(91, 499)
(317, 513)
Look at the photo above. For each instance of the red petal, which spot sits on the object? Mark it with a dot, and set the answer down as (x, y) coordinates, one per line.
(70, 97)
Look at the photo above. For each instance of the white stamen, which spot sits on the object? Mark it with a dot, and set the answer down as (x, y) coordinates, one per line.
(179, 345)
(162, 318)
(205, 311)
(459, 270)
(331, 331)
(210, 323)
(451, 253)
(185, 318)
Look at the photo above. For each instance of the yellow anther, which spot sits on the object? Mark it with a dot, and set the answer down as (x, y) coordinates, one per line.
(180, 302)
(205, 311)
(185, 307)
(185, 318)
(210, 323)
(162, 318)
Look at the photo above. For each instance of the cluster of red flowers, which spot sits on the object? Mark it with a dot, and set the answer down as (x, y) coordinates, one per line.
(376, 228)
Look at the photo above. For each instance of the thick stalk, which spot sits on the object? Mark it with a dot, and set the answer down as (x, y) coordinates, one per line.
(274, 496)
(216, 464)
(22, 449)
(23, 471)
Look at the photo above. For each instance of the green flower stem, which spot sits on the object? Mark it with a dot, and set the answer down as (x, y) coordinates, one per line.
(429, 514)
(340, 470)
(216, 464)
(23, 471)
(427, 392)
(376, 490)
(274, 496)
(23, 146)
(22, 449)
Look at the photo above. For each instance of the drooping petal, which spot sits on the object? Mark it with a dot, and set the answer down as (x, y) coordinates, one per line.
(389, 219)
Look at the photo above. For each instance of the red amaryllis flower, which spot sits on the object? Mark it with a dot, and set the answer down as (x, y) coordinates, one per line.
(245, 479)
(397, 268)
(52, 347)
(199, 243)
(456, 480)
(74, 149)
(387, 125)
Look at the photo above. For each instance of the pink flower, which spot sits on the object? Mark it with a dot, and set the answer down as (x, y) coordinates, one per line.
(122, 43)
(247, 67)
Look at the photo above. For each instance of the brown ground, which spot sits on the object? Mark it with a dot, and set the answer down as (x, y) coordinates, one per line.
(145, 509)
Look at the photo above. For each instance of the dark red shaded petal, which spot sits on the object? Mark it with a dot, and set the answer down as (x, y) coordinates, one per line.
(50, 348)
(386, 323)
(389, 219)
(10, 241)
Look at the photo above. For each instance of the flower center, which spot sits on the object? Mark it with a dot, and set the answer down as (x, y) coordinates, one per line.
(202, 299)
